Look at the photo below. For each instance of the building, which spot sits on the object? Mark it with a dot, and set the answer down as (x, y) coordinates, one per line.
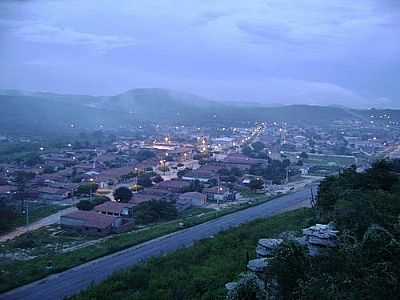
(200, 175)
(219, 194)
(174, 186)
(118, 209)
(190, 199)
(94, 223)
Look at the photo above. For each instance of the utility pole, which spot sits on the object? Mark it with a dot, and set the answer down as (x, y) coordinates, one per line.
(27, 212)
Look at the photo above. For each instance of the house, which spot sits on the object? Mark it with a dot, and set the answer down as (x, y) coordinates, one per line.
(140, 197)
(51, 193)
(200, 175)
(175, 186)
(118, 209)
(219, 193)
(7, 189)
(190, 199)
(94, 223)
(242, 162)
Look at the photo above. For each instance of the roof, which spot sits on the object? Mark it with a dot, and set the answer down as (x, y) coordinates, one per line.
(200, 174)
(216, 190)
(241, 159)
(173, 184)
(113, 207)
(116, 172)
(51, 190)
(140, 198)
(7, 188)
(91, 218)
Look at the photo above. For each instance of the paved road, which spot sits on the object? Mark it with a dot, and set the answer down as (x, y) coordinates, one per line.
(49, 220)
(71, 282)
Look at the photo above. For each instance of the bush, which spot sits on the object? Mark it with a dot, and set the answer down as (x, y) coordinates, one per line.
(155, 211)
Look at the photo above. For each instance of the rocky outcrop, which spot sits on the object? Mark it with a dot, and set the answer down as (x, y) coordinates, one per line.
(319, 237)
(265, 247)
(316, 239)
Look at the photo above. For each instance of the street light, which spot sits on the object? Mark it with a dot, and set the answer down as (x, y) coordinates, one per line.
(91, 188)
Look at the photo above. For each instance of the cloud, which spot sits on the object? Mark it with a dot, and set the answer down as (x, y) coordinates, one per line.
(48, 34)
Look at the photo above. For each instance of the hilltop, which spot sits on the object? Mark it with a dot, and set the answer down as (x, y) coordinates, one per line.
(26, 112)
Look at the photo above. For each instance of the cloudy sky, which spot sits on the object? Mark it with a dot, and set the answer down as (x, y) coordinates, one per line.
(272, 51)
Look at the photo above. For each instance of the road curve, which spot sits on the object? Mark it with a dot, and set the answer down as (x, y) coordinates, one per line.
(71, 282)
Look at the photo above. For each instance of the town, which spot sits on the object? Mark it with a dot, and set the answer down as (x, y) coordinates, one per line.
(184, 167)
(104, 184)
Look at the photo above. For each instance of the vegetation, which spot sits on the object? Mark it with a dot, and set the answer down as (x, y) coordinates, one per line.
(143, 154)
(256, 184)
(145, 180)
(123, 194)
(86, 189)
(275, 171)
(155, 211)
(199, 272)
(87, 204)
(10, 217)
(365, 207)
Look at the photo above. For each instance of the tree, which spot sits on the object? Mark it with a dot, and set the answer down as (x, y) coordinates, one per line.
(123, 194)
(87, 188)
(7, 217)
(258, 146)
(303, 155)
(85, 205)
(256, 184)
(155, 211)
(157, 179)
(22, 178)
(249, 287)
(145, 181)
(89, 205)
(288, 266)
(143, 154)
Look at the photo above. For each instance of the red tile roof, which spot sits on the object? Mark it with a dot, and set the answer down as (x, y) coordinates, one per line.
(92, 219)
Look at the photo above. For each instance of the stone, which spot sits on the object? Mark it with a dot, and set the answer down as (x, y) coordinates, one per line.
(258, 265)
(265, 247)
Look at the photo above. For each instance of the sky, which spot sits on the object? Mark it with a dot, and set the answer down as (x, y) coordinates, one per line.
(337, 52)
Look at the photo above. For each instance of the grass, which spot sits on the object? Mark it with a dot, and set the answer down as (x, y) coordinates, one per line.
(199, 272)
(18, 273)
(35, 213)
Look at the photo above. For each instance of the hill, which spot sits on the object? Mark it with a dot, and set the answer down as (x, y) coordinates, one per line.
(25, 112)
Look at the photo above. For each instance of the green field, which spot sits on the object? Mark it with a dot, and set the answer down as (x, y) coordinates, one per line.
(199, 272)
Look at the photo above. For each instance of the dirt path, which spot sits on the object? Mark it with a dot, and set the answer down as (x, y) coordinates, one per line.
(49, 220)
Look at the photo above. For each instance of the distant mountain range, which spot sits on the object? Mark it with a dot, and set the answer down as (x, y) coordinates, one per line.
(26, 112)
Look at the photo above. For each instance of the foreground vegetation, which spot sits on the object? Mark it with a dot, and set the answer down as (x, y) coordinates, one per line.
(365, 208)
(201, 271)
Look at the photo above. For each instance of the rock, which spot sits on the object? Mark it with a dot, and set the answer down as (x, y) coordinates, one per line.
(258, 265)
(230, 286)
(266, 247)
(319, 237)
